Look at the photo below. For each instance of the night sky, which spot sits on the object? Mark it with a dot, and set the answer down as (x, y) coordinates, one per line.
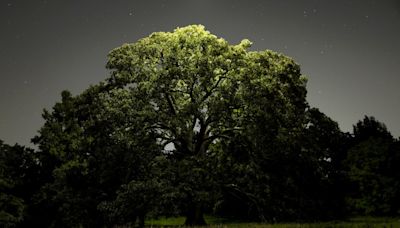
(350, 50)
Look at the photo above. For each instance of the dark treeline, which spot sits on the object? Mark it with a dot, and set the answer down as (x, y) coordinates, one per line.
(188, 125)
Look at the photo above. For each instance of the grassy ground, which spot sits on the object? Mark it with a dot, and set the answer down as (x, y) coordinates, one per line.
(364, 222)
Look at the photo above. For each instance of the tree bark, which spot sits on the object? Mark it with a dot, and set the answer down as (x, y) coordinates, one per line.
(141, 218)
(194, 216)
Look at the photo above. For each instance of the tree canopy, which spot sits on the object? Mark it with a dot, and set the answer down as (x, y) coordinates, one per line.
(194, 92)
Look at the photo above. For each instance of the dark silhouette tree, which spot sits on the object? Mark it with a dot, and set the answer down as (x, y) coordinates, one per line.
(12, 205)
(371, 170)
(19, 179)
(370, 127)
(324, 148)
(88, 153)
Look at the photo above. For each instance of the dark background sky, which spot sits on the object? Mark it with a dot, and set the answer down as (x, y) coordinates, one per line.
(348, 49)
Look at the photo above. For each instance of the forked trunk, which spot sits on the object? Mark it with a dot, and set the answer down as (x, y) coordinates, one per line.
(194, 216)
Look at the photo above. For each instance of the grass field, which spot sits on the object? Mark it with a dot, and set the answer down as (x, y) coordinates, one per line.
(362, 222)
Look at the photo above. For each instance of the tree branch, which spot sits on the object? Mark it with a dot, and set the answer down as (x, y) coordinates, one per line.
(170, 104)
(209, 92)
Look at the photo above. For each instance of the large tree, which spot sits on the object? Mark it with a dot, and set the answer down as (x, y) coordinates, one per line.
(179, 100)
(193, 91)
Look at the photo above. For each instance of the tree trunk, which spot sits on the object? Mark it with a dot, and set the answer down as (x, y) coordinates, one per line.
(141, 218)
(194, 216)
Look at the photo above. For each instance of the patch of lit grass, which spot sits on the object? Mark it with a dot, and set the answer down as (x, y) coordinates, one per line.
(166, 221)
